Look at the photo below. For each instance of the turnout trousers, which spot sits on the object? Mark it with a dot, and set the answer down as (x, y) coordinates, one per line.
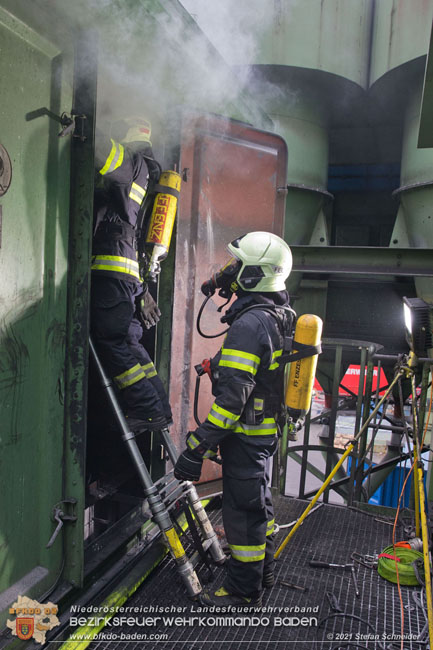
(117, 334)
(248, 514)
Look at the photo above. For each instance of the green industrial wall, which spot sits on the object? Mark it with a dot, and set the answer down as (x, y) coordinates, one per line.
(33, 300)
(146, 65)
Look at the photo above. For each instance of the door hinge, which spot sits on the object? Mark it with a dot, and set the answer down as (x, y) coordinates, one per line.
(71, 124)
(63, 512)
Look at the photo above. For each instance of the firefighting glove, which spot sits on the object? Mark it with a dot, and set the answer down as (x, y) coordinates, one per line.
(202, 449)
(148, 310)
(188, 466)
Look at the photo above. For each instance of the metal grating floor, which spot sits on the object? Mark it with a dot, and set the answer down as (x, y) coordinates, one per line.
(330, 534)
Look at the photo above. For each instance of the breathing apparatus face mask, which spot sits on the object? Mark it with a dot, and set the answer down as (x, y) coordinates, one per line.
(224, 280)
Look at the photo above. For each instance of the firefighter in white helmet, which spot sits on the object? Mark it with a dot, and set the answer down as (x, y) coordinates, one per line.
(119, 297)
(243, 421)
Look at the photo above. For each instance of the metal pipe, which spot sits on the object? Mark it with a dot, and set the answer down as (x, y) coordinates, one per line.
(371, 470)
(365, 260)
(416, 456)
(381, 473)
(304, 461)
(388, 427)
(283, 455)
(338, 465)
(159, 511)
(196, 505)
(424, 390)
(418, 480)
(426, 556)
(397, 357)
(363, 440)
(358, 417)
(374, 427)
(334, 409)
(78, 295)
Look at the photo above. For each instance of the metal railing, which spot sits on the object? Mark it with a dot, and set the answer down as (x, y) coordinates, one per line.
(363, 478)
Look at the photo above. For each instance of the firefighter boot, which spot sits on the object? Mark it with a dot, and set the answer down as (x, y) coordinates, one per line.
(222, 598)
(268, 579)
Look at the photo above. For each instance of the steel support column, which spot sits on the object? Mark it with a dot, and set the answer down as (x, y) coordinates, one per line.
(80, 241)
(366, 260)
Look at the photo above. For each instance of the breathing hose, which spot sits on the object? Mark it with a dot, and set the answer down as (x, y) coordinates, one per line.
(199, 330)
(407, 562)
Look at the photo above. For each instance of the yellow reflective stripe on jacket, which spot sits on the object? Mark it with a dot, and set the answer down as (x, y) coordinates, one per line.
(270, 527)
(259, 404)
(248, 553)
(274, 363)
(116, 264)
(137, 193)
(130, 376)
(149, 370)
(222, 418)
(266, 428)
(240, 360)
(193, 443)
(114, 159)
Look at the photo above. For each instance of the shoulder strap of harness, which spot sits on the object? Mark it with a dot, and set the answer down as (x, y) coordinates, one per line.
(286, 319)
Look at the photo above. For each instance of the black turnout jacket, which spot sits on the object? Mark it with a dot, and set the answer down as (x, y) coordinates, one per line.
(247, 378)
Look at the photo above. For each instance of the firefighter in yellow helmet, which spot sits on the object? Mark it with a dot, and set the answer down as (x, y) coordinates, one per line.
(243, 420)
(118, 296)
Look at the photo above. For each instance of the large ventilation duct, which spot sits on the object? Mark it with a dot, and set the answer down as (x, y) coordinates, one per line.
(309, 67)
(306, 132)
(305, 58)
(414, 224)
(396, 76)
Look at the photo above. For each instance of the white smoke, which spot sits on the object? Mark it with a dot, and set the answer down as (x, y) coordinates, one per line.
(233, 26)
(244, 31)
(156, 59)
(151, 62)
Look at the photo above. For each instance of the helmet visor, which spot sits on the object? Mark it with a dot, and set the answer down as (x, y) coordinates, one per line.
(231, 267)
(225, 279)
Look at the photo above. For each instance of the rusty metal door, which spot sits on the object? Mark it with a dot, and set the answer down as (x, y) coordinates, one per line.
(234, 183)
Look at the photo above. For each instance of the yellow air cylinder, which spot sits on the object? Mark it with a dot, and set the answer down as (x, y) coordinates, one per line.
(302, 372)
(162, 219)
(164, 210)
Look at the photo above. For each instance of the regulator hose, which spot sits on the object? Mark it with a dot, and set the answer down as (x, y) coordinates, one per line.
(200, 311)
(407, 565)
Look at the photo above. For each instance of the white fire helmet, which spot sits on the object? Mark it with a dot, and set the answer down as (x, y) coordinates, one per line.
(139, 130)
(266, 261)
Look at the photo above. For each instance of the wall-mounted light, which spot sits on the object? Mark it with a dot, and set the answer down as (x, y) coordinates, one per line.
(417, 324)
